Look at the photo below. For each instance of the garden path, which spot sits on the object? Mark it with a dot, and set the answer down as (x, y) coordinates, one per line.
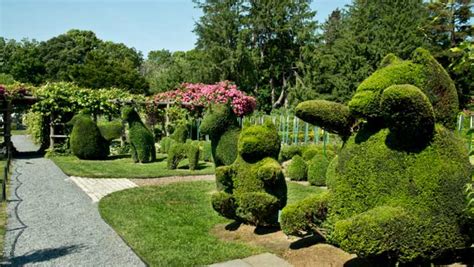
(52, 223)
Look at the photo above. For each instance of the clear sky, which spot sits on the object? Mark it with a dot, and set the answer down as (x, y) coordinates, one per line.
(144, 24)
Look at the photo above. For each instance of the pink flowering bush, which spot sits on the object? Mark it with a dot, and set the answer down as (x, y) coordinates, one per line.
(198, 94)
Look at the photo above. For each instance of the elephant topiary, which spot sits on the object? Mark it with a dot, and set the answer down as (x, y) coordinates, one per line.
(221, 124)
(396, 186)
(253, 189)
(142, 142)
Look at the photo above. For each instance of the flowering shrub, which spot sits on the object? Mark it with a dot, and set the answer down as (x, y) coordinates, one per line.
(13, 91)
(199, 94)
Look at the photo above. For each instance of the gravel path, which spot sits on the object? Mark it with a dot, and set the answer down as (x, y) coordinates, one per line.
(51, 222)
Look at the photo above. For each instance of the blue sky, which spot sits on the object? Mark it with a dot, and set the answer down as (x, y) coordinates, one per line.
(144, 24)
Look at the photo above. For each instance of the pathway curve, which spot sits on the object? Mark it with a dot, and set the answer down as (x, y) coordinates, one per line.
(52, 223)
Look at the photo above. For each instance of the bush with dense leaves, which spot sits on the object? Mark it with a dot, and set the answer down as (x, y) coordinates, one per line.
(192, 153)
(220, 123)
(317, 168)
(176, 154)
(165, 144)
(253, 189)
(297, 169)
(142, 142)
(206, 151)
(86, 141)
(391, 197)
(287, 152)
(111, 130)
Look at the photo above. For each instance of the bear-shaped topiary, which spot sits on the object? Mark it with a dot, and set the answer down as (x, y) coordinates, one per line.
(86, 141)
(221, 124)
(142, 143)
(253, 189)
(396, 186)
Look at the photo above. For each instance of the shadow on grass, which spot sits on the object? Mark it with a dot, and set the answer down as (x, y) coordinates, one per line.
(43, 255)
(200, 166)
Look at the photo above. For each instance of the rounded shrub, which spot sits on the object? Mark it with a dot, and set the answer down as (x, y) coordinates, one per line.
(297, 169)
(180, 133)
(287, 152)
(86, 141)
(142, 142)
(111, 130)
(408, 112)
(317, 168)
(165, 144)
(192, 153)
(253, 188)
(306, 216)
(176, 154)
(311, 151)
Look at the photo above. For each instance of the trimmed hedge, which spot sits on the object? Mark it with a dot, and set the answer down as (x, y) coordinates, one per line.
(253, 188)
(165, 144)
(287, 152)
(317, 168)
(176, 154)
(306, 216)
(86, 141)
(181, 133)
(428, 185)
(408, 112)
(110, 130)
(221, 124)
(142, 142)
(192, 153)
(424, 72)
(332, 117)
(206, 154)
(297, 169)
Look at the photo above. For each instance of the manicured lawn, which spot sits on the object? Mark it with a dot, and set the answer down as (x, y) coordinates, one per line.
(169, 225)
(123, 167)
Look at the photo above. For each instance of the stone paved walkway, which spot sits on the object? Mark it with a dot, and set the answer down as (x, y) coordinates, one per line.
(261, 260)
(52, 223)
(99, 188)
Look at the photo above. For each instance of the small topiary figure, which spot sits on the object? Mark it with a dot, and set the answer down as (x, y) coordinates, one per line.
(253, 188)
(221, 124)
(298, 169)
(142, 143)
(86, 141)
(396, 186)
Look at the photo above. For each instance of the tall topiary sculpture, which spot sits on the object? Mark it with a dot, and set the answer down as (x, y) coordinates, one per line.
(396, 187)
(142, 143)
(221, 124)
(253, 189)
(86, 141)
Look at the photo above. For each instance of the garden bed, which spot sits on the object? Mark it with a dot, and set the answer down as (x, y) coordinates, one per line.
(123, 167)
(173, 225)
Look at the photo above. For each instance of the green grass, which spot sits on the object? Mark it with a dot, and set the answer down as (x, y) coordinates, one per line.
(169, 225)
(123, 167)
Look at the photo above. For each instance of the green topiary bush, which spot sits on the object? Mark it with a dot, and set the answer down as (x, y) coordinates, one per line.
(176, 154)
(332, 117)
(180, 133)
(86, 142)
(253, 189)
(111, 130)
(396, 186)
(311, 151)
(306, 216)
(206, 153)
(287, 152)
(297, 169)
(317, 168)
(220, 123)
(142, 143)
(192, 153)
(165, 144)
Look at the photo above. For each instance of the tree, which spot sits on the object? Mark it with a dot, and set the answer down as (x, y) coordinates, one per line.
(256, 43)
(447, 27)
(365, 33)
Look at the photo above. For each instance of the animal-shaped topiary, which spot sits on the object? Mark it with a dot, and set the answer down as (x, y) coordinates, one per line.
(86, 141)
(253, 189)
(141, 139)
(221, 124)
(396, 187)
